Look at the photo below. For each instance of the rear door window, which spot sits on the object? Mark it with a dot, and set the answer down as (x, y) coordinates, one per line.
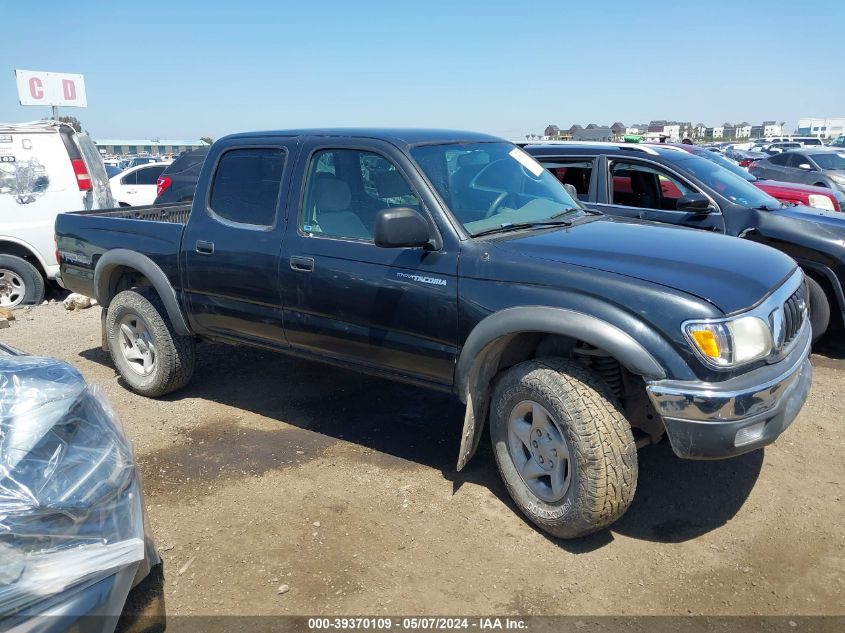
(149, 175)
(246, 185)
(577, 173)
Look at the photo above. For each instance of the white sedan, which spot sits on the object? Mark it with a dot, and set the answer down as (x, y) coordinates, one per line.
(137, 185)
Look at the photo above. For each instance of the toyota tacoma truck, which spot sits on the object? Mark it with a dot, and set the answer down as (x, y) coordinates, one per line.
(454, 261)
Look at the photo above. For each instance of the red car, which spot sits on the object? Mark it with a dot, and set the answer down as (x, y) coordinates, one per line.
(788, 192)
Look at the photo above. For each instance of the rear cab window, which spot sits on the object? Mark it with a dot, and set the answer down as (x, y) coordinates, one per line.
(246, 183)
(575, 172)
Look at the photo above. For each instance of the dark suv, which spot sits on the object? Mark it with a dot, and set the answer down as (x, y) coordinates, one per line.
(667, 184)
(178, 182)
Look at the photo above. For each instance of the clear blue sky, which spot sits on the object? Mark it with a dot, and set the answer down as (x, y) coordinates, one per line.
(190, 68)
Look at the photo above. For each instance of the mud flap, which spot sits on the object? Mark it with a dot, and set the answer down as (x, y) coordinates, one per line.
(471, 434)
(105, 341)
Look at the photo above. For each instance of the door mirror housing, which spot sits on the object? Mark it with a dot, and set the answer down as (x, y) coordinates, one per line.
(694, 203)
(398, 227)
(805, 166)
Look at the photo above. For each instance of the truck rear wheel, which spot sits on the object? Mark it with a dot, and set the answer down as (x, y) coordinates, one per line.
(20, 282)
(151, 357)
(564, 450)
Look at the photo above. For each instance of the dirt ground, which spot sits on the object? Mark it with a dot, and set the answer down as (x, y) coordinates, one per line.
(268, 470)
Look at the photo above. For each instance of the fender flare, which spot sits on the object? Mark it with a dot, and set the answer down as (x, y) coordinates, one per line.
(123, 258)
(831, 277)
(483, 348)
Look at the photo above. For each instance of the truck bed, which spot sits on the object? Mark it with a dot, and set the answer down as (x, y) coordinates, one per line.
(83, 237)
(173, 213)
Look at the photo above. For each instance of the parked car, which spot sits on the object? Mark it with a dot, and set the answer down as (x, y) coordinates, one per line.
(72, 539)
(744, 158)
(822, 168)
(136, 186)
(178, 182)
(454, 261)
(112, 170)
(668, 184)
(777, 148)
(839, 141)
(45, 167)
(787, 192)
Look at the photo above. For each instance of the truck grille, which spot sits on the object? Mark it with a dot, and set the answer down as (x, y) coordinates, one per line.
(794, 313)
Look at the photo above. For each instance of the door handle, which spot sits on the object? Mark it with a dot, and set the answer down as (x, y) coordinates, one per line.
(131, 191)
(205, 248)
(302, 264)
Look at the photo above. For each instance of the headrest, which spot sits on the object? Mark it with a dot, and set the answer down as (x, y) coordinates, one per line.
(390, 184)
(332, 194)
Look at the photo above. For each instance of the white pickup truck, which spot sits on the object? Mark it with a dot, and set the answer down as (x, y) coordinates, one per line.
(46, 168)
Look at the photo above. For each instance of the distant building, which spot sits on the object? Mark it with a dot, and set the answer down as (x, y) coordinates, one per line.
(699, 130)
(821, 128)
(551, 132)
(743, 130)
(637, 128)
(772, 128)
(595, 133)
(574, 129)
(146, 146)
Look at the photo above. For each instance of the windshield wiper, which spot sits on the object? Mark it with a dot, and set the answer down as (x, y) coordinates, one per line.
(519, 226)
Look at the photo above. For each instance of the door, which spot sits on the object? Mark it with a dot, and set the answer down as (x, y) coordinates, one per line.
(648, 191)
(391, 309)
(231, 244)
(777, 168)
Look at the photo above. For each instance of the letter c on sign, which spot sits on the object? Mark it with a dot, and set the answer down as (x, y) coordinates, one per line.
(36, 88)
(69, 89)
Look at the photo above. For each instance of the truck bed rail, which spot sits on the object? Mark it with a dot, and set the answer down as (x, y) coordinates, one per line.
(172, 213)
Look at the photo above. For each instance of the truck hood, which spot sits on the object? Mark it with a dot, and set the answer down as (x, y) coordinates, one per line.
(730, 273)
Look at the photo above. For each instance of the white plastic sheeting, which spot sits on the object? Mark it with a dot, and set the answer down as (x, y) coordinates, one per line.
(71, 511)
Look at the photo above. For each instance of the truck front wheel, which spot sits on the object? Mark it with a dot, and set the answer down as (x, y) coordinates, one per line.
(151, 357)
(819, 308)
(564, 450)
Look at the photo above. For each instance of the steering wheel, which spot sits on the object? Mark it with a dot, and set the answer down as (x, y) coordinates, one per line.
(494, 208)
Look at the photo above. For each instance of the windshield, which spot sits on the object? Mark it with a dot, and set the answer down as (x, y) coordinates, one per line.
(832, 160)
(729, 165)
(839, 141)
(488, 185)
(728, 184)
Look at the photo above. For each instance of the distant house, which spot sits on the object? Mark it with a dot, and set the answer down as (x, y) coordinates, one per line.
(699, 130)
(637, 128)
(618, 129)
(575, 127)
(743, 130)
(717, 131)
(594, 133)
(551, 132)
(592, 126)
(728, 131)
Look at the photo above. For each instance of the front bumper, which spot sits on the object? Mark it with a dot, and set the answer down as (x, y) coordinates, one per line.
(718, 420)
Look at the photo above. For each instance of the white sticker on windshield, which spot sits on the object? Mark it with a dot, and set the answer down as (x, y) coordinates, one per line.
(526, 161)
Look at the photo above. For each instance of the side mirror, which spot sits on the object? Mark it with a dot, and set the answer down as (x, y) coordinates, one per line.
(694, 203)
(397, 227)
(805, 166)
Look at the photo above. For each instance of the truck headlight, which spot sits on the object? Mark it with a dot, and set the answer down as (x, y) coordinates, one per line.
(821, 202)
(731, 342)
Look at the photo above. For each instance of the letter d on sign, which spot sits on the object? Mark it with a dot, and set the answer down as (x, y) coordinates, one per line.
(36, 88)
(69, 88)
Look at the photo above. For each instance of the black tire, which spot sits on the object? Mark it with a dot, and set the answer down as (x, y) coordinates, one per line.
(819, 308)
(174, 357)
(602, 466)
(28, 288)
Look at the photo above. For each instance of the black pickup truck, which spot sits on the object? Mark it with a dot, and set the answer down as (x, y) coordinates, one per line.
(454, 261)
